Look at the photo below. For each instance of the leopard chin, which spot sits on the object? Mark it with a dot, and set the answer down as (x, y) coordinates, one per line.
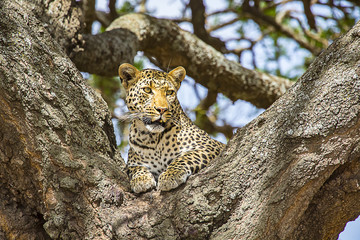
(157, 126)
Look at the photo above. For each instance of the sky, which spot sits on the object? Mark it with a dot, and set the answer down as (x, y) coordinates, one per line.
(239, 113)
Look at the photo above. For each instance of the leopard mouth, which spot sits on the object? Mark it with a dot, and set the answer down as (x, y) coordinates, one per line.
(157, 123)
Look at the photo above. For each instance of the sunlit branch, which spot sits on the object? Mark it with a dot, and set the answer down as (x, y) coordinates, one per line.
(142, 6)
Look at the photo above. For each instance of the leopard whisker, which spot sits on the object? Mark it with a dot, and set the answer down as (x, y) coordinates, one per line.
(176, 122)
(131, 116)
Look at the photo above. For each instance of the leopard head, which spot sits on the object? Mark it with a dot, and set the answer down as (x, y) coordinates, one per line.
(151, 94)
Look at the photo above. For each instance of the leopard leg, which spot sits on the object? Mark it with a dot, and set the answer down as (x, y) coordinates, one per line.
(141, 179)
(180, 169)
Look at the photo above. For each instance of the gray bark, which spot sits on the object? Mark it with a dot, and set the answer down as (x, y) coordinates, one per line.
(63, 19)
(103, 53)
(57, 147)
(292, 173)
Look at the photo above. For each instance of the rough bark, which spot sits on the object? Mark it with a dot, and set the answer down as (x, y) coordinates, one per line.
(57, 147)
(103, 53)
(62, 18)
(292, 173)
(171, 47)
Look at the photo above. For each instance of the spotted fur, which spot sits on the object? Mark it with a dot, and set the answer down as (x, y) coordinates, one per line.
(165, 146)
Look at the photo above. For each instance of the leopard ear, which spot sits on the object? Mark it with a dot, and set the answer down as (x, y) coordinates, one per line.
(128, 74)
(177, 75)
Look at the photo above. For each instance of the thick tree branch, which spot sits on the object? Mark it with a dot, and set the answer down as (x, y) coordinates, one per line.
(173, 46)
(103, 53)
(341, 192)
(198, 20)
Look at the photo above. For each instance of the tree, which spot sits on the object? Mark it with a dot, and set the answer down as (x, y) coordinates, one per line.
(292, 173)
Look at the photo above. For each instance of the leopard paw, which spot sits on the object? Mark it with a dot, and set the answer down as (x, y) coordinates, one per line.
(171, 179)
(142, 183)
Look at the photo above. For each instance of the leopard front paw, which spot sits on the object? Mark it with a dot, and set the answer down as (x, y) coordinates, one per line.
(142, 183)
(171, 179)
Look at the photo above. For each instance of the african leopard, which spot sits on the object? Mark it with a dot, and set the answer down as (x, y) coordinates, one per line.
(165, 146)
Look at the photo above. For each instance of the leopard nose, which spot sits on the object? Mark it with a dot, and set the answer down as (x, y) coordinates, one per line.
(161, 110)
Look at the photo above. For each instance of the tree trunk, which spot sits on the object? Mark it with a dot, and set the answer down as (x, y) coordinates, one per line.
(292, 173)
(57, 147)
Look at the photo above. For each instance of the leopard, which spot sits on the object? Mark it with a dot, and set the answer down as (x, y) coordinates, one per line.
(166, 147)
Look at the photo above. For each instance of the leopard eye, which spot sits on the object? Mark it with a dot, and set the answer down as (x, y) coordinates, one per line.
(147, 89)
(170, 92)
